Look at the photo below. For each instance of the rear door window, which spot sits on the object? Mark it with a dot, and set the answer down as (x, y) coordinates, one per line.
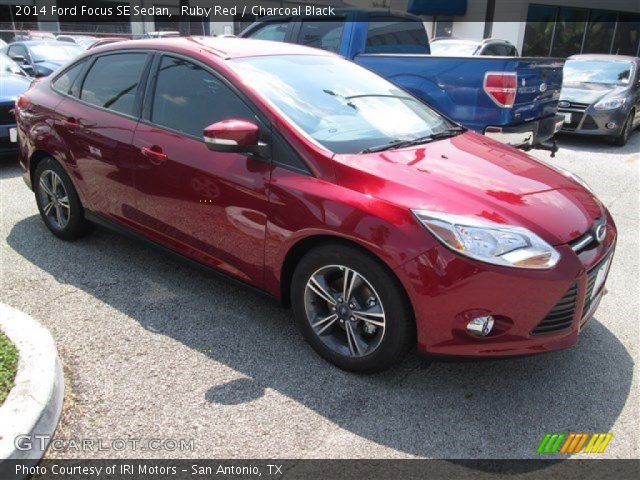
(396, 35)
(112, 82)
(187, 98)
(326, 35)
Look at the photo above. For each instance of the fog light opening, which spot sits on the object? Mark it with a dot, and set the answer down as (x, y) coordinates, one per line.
(480, 326)
(611, 125)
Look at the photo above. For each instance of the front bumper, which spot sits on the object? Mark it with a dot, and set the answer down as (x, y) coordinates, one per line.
(526, 135)
(448, 290)
(586, 120)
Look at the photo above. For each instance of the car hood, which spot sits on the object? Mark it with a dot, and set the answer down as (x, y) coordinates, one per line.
(588, 92)
(474, 176)
(12, 85)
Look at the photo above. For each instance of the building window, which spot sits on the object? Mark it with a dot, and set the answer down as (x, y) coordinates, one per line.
(539, 31)
(563, 31)
(627, 34)
(600, 31)
(570, 25)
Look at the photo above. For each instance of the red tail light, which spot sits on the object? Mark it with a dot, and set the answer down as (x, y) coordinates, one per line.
(22, 101)
(501, 87)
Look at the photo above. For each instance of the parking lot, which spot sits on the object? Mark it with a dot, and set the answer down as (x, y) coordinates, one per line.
(154, 348)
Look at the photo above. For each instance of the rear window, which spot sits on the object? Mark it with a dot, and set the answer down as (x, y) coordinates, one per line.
(112, 82)
(394, 35)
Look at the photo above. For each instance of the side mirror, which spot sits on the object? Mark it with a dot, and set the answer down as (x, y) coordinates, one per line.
(233, 135)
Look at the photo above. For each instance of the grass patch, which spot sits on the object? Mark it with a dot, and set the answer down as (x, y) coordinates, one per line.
(8, 366)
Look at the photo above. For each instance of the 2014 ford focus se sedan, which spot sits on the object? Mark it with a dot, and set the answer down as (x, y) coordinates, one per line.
(383, 224)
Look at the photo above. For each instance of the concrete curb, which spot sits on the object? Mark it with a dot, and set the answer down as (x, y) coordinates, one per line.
(34, 404)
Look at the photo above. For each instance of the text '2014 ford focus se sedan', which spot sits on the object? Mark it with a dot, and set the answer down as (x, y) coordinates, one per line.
(383, 224)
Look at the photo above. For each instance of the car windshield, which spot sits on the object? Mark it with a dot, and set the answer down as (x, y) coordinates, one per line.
(340, 105)
(453, 49)
(8, 66)
(603, 72)
(50, 52)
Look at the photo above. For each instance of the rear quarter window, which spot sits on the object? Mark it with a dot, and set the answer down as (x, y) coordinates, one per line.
(66, 82)
(326, 35)
(276, 32)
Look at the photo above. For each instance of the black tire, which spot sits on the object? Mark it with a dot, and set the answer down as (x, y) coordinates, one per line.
(621, 139)
(76, 225)
(398, 335)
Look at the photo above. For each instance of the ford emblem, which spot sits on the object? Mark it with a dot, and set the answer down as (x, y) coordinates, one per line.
(601, 232)
(563, 104)
(543, 87)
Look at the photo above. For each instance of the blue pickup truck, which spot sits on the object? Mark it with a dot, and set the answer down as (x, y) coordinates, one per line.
(511, 99)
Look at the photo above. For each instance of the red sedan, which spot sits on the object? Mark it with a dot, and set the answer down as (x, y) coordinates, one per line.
(383, 224)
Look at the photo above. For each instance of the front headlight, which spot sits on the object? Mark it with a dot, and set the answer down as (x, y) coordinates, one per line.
(489, 242)
(610, 104)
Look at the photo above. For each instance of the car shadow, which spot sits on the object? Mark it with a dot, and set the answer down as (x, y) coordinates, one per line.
(436, 409)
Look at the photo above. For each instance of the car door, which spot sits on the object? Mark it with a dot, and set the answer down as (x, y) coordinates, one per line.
(208, 205)
(96, 120)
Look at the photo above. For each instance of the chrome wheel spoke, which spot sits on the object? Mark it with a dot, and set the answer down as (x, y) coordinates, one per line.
(55, 181)
(377, 323)
(59, 215)
(64, 202)
(321, 290)
(45, 187)
(356, 349)
(328, 321)
(47, 208)
(349, 282)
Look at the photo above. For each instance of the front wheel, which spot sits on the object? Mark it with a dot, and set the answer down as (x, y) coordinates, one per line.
(622, 139)
(351, 309)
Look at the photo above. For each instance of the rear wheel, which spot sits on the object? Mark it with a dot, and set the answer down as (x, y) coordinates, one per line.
(58, 201)
(351, 309)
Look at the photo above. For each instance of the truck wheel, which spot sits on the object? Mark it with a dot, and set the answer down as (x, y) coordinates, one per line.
(351, 309)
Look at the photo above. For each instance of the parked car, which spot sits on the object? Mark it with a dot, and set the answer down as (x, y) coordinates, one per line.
(39, 58)
(26, 35)
(85, 41)
(13, 82)
(384, 224)
(105, 41)
(161, 34)
(513, 100)
(2, 43)
(601, 96)
(454, 47)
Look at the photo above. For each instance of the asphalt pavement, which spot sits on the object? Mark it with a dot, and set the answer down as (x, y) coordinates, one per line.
(156, 349)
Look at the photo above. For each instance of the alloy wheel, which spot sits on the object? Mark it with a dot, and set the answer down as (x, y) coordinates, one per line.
(344, 311)
(54, 199)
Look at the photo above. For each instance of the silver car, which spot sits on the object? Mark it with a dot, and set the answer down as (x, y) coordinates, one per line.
(601, 96)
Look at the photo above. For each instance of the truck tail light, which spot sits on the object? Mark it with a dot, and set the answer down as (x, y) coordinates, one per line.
(501, 87)
(22, 101)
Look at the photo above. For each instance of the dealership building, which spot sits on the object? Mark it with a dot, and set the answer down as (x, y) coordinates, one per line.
(536, 27)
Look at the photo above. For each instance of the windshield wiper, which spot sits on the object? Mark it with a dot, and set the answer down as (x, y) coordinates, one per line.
(449, 132)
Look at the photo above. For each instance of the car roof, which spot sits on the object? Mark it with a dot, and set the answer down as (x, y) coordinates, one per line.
(222, 47)
(603, 56)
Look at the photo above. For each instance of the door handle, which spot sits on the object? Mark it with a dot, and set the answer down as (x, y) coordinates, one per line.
(155, 154)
